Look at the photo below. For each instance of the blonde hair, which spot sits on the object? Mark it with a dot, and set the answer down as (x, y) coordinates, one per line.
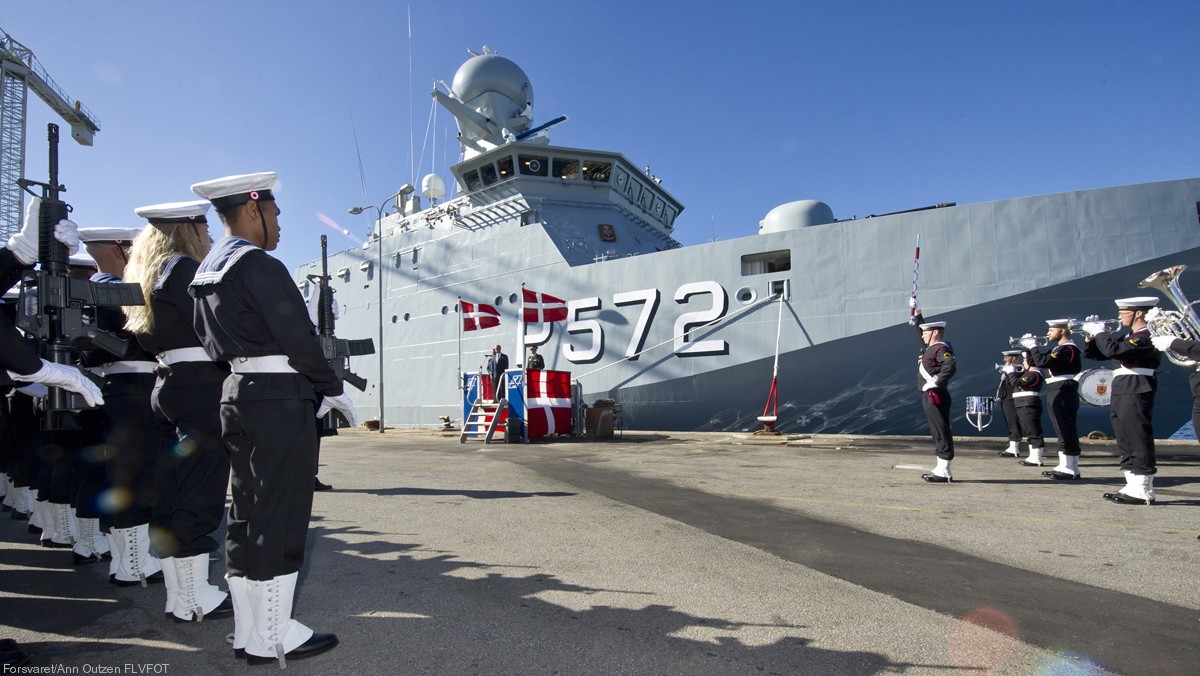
(152, 248)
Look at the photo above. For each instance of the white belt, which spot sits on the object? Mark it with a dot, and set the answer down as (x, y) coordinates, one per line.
(271, 363)
(1017, 395)
(183, 354)
(1126, 371)
(1059, 379)
(123, 367)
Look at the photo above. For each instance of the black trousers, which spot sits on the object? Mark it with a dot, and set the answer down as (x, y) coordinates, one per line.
(1030, 416)
(1194, 382)
(1131, 415)
(91, 462)
(938, 416)
(192, 473)
(57, 478)
(135, 440)
(1063, 399)
(1010, 418)
(23, 422)
(273, 454)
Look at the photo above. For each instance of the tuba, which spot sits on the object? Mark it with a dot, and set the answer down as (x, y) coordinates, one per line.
(1178, 324)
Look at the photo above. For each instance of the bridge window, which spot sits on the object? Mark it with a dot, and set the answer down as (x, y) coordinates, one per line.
(771, 261)
(471, 178)
(505, 165)
(597, 171)
(488, 173)
(566, 169)
(534, 165)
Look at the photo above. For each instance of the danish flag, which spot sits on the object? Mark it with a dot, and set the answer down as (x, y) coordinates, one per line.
(542, 307)
(479, 316)
(549, 403)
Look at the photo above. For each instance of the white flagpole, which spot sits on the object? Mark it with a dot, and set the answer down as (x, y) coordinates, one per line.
(524, 371)
(461, 319)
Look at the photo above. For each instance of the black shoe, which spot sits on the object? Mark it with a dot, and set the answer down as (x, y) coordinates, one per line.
(935, 478)
(13, 658)
(33, 529)
(224, 609)
(239, 653)
(18, 515)
(1011, 455)
(318, 486)
(78, 559)
(156, 578)
(1029, 464)
(1062, 476)
(6, 508)
(316, 645)
(1124, 499)
(55, 545)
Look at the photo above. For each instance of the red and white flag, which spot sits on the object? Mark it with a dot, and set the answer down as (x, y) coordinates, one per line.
(479, 316)
(542, 307)
(548, 402)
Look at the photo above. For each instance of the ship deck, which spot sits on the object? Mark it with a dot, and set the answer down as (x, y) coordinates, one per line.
(699, 553)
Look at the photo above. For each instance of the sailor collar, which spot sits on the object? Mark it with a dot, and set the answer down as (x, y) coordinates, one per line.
(221, 259)
(167, 268)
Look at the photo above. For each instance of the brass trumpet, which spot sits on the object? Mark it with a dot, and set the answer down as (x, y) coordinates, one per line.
(1106, 325)
(1182, 323)
(1039, 341)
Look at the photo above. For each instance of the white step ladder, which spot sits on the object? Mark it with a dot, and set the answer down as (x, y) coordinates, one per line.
(483, 421)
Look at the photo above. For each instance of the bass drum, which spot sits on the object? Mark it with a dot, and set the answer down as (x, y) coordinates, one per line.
(1095, 387)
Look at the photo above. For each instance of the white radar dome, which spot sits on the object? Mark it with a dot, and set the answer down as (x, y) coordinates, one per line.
(433, 187)
(796, 215)
(492, 73)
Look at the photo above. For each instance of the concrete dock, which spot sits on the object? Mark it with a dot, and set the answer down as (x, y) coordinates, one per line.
(682, 553)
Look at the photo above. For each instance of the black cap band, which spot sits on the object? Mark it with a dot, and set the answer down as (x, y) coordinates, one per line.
(231, 201)
(183, 220)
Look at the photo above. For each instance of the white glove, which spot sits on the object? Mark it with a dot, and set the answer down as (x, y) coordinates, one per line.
(342, 404)
(1008, 368)
(67, 232)
(35, 390)
(313, 302)
(1162, 343)
(1028, 341)
(1092, 328)
(24, 244)
(66, 377)
(912, 302)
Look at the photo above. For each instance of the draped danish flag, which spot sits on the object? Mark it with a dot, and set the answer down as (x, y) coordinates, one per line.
(479, 316)
(542, 307)
(548, 404)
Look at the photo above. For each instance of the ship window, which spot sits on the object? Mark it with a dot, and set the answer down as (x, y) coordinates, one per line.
(512, 297)
(394, 319)
(566, 169)
(669, 216)
(746, 295)
(597, 171)
(505, 165)
(472, 180)
(771, 261)
(488, 173)
(647, 198)
(499, 301)
(534, 165)
(407, 316)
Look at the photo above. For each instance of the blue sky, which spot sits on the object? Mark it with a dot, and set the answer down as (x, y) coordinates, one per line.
(869, 106)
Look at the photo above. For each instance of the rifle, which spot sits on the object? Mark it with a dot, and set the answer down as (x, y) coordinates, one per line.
(52, 302)
(337, 350)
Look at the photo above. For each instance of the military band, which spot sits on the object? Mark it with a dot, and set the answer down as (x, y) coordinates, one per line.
(1012, 364)
(935, 368)
(1026, 389)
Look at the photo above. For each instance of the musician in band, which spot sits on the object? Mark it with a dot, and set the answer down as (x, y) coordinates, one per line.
(250, 313)
(1012, 364)
(1133, 388)
(1026, 389)
(1063, 361)
(1191, 350)
(935, 368)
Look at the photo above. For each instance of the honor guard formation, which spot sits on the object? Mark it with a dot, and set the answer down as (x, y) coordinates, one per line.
(167, 370)
(183, 369)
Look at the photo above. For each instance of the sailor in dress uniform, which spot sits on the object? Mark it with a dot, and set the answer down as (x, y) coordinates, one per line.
(1134, 384)
(1063, 361)
(1026, 389)
(250, 313)
(192, 470)
(1004, 396)
(935, 367)
(1191, 350)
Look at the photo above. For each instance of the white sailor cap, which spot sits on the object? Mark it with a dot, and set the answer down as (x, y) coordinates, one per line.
(232, 191)
(1058, 323)
(1011, 353)
(108, 234)
(1136, 303)
(171, 213)
(929, 326)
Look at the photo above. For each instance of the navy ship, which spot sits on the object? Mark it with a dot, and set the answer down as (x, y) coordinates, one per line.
(690, 337)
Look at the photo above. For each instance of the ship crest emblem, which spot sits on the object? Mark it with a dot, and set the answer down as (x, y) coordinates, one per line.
(1102, 387)
(608, 233)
